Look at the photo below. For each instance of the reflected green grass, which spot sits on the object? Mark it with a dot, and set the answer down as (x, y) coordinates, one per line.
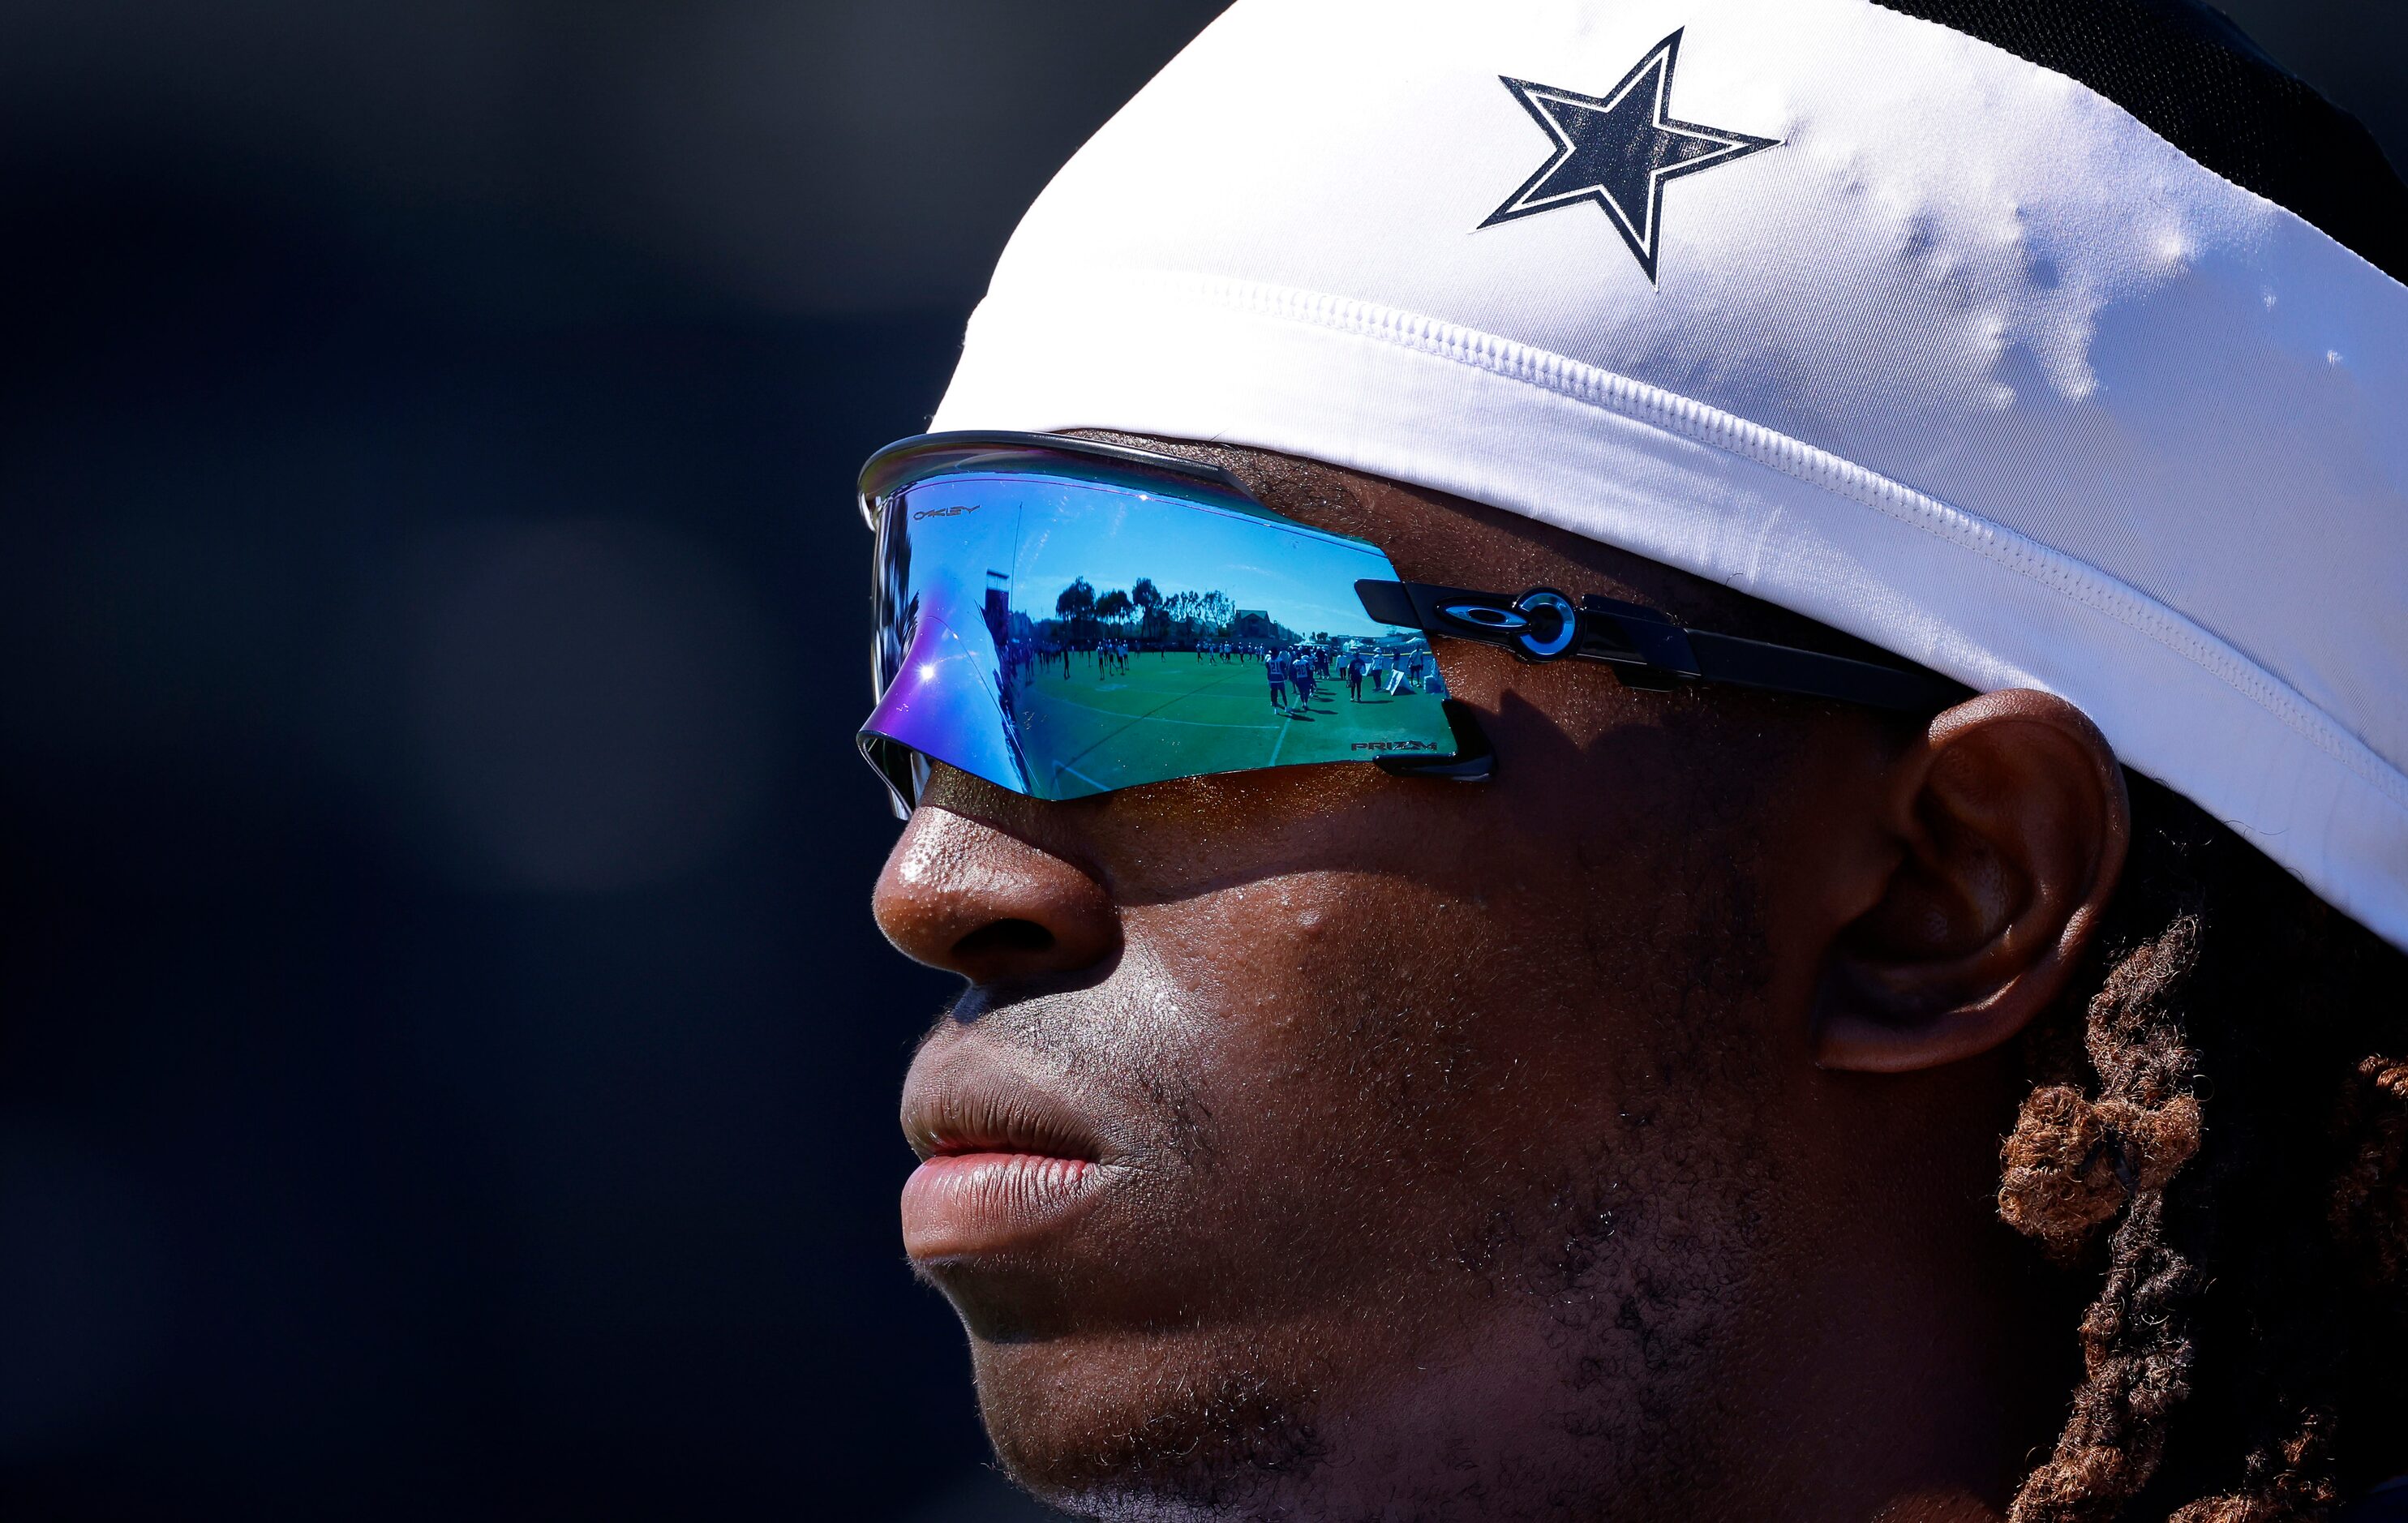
(1172, 713)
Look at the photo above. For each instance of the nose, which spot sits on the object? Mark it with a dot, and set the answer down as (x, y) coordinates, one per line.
(961, 895)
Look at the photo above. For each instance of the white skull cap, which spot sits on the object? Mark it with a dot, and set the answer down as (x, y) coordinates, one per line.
(1838, 307)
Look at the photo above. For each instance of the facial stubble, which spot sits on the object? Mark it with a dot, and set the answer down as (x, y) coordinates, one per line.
(1537, 1331)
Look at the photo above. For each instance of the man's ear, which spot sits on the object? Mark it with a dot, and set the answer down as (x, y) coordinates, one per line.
(2007, 825)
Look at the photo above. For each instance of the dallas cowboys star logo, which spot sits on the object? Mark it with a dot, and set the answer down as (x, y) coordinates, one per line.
(1617, 152)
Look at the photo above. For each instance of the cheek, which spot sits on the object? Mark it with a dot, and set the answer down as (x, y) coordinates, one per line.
(1258, 958)
(1313, 986)
(1378, 1068)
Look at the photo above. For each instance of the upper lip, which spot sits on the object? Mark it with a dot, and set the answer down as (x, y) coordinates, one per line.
(957, 1103)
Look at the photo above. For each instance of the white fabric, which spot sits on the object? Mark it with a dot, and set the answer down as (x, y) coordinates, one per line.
(1973, 365)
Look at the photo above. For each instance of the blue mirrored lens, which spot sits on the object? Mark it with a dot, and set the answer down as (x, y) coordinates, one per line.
(1063, 631)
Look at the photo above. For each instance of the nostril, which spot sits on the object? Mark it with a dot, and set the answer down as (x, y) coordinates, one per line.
(1004, 936)
(966, 897)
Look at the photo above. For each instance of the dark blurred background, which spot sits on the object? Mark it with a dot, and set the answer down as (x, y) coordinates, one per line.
(447, 1067)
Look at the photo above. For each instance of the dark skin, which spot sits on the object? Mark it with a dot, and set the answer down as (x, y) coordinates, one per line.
(1615, 1138)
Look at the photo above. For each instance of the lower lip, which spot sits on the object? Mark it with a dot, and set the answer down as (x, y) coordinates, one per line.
(969, 1203)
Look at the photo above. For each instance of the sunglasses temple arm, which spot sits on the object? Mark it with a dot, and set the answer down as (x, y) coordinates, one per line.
(1817, 674)
(1650, 650)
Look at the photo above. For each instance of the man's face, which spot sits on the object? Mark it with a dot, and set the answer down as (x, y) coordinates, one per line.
(1430, 1140)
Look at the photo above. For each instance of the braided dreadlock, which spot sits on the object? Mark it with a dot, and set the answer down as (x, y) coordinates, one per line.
(2232, 1096)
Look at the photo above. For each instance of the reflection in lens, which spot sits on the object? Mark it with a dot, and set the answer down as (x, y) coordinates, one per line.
(1064, 634)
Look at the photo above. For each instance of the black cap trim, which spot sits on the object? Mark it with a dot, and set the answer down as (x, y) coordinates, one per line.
(2198, 81)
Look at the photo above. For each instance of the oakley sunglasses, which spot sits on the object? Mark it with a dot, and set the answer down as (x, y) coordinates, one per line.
(1064, 618)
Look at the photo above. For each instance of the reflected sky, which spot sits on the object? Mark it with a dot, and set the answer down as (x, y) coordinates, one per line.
(1044, 534)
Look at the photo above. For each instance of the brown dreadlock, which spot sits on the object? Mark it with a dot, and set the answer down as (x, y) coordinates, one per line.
(2228, 1109)
(2233, 1098)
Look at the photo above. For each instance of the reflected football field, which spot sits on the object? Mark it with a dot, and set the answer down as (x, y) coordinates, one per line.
(1216, 716)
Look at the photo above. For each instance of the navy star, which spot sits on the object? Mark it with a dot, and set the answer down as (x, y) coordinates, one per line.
(1617, 151)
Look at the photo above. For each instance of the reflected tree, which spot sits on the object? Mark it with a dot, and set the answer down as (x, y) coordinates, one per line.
(1154, 622)
(1078, 600)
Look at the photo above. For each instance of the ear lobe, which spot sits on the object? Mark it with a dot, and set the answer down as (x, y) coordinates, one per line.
(2008, 823)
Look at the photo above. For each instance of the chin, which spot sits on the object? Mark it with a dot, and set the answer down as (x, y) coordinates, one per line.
(1162, 1424)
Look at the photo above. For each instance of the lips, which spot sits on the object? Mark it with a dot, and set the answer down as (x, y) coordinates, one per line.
(1004, 1161)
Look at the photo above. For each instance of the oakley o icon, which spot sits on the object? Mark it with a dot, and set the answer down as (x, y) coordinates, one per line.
(1532, 611)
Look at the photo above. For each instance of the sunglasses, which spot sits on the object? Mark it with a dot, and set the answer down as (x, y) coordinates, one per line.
(1064, 618)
